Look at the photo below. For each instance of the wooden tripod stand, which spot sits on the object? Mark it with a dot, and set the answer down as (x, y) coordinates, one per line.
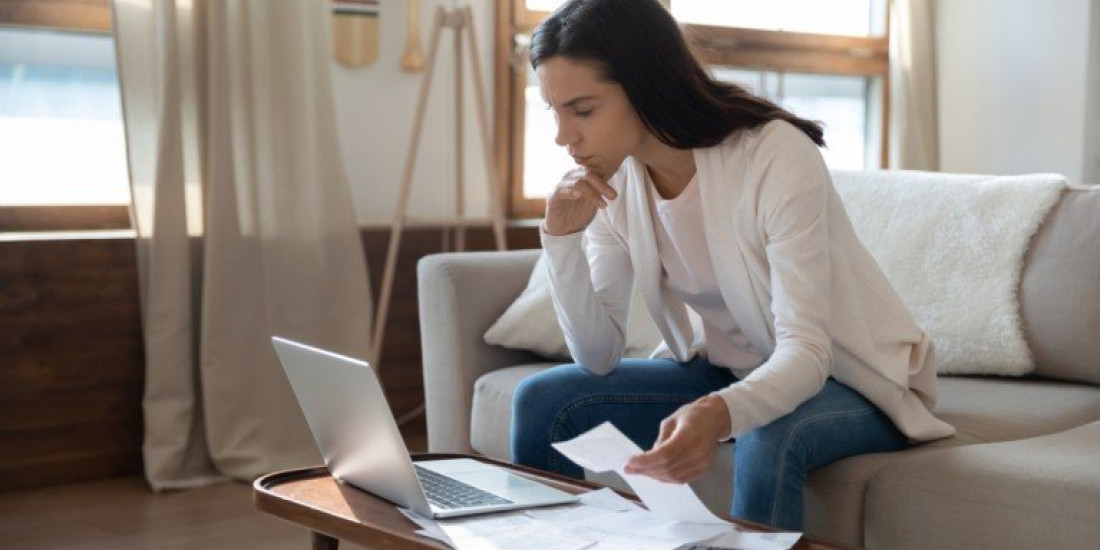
(461, 21)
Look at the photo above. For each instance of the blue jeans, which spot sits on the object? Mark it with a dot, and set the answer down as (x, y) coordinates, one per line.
(770, 463)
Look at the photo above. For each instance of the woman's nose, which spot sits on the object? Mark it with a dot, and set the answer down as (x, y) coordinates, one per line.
(565, 135)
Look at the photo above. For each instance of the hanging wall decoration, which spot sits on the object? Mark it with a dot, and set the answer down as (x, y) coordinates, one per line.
(355, 31)
(413, 59)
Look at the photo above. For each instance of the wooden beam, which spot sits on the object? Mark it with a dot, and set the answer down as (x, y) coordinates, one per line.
(64, 218)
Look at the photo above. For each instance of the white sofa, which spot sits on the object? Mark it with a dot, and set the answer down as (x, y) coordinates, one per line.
(1022, 472)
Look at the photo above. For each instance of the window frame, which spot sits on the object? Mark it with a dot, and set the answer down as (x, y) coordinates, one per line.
(753, 49)
(85, 16)
(74, 15)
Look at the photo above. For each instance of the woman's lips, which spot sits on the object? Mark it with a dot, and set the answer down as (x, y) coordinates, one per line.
(582, 160)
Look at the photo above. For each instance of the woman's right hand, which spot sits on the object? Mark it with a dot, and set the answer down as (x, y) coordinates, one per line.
(575, 201)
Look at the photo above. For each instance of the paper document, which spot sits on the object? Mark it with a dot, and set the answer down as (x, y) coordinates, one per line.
(740, 540)
(601, 520)
(428, 527)
(511, 531)
(605, 448)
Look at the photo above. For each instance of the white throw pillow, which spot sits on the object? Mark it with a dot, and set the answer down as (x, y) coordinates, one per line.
(953, 247)
(531, 324)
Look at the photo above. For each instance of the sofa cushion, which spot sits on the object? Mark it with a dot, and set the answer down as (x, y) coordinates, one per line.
(982, 409)
(953, 246)
(987, 409)
(491, 412)
(1060, 290)
(835, 494)
(1041, 492)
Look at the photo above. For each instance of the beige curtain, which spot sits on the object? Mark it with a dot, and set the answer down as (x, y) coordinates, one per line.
(914, 113)
(244, 222)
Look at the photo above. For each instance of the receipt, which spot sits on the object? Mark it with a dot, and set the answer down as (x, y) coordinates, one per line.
(605, 448)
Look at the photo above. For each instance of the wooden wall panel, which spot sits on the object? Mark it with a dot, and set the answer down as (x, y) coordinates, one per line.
(70, 361)
(71, 356)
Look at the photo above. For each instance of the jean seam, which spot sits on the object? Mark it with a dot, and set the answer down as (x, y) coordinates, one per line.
(787, 442)
(601, 399)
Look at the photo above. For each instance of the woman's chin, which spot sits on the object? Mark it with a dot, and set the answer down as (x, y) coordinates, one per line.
(601, 169)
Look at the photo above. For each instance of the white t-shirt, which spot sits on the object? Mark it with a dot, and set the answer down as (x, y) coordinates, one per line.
(689, 271)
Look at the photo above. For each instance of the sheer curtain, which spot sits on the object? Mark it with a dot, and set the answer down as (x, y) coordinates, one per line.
(914, 111)
(244, 226)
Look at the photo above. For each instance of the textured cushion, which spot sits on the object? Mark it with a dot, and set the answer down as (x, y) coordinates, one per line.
(953, 246)
(1042, 492)
(531, 324)
(1060, 290)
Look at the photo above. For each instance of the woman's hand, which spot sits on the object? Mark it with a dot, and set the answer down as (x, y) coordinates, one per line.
(685, 448)
(573, 204)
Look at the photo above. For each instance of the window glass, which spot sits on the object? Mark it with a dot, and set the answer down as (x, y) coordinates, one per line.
(544, 5)
(61, 133)
(845, 105)
(544, 161)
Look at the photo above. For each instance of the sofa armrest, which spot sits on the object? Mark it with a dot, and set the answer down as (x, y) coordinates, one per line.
(460, 295)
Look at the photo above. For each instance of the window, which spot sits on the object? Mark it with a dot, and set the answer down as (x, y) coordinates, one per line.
(824, 60)
(62, 142)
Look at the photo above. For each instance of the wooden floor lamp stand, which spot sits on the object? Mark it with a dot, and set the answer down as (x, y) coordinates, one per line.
(460, 20)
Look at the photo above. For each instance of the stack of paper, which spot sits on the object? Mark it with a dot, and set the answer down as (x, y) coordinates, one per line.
(603, 520)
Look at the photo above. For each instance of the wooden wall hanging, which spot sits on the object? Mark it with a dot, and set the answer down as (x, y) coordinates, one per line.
(355, 31)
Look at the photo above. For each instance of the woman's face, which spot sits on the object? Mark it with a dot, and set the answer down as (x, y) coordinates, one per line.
(596, 122)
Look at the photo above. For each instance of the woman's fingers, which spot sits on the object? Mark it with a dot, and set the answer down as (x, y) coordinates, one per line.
(589, 185)
(682, 452)
(599, 185)
(582, 189)
(575, 201)
(670, 464)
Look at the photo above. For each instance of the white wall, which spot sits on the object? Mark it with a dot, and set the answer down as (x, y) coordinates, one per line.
(1092, 98)
(375, 107)
(1018, 87)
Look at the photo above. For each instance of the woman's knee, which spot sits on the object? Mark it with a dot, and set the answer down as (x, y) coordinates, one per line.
(539, 406)
(544, 391)
(768, 446)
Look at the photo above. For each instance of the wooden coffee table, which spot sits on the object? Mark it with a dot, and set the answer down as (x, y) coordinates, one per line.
(333, 511)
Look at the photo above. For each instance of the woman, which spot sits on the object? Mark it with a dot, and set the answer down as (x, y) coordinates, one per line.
(718, 201)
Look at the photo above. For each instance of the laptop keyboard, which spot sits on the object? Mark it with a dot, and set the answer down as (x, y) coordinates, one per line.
(446, 492)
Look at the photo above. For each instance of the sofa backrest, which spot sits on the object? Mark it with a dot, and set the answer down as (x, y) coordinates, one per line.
(1060, 289)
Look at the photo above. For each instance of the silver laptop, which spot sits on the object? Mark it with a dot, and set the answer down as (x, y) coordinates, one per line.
(347, 412)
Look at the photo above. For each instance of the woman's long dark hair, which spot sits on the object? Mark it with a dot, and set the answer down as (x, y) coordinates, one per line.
(637, 44)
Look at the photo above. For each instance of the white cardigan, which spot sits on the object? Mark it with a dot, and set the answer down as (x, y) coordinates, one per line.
(801, 285)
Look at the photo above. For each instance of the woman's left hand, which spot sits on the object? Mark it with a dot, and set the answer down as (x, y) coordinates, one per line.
(685, 447)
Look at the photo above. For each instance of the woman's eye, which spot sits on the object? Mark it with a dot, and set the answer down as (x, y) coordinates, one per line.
(584, 114)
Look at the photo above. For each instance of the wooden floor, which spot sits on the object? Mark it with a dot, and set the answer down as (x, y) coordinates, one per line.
(123, 514)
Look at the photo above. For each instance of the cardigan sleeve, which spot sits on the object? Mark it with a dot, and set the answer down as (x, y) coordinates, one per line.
(792, 206)
(591, 291)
